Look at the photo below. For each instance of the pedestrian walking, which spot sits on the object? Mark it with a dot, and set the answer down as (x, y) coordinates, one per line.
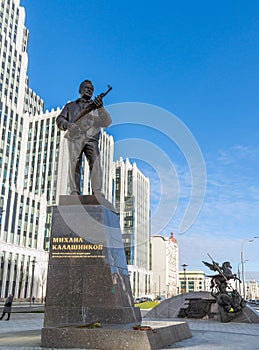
(7, 307)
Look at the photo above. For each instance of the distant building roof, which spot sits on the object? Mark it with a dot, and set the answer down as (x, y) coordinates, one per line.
(172, 237)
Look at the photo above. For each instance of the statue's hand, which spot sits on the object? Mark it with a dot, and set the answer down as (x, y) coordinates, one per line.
(73, 127)
(73, 132)
(98, 102)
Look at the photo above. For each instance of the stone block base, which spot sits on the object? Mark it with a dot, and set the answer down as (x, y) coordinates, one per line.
(72, 317)
(116, 338)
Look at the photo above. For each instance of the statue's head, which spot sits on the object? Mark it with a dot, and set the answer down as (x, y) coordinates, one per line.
(86, 89)
(227, 265)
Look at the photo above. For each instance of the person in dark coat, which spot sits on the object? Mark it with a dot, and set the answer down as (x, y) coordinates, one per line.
(7, 307)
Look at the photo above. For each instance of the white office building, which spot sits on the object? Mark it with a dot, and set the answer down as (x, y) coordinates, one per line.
(165, 260)
(22, 214)
(33, 173)
(32, 153)
(131, 201)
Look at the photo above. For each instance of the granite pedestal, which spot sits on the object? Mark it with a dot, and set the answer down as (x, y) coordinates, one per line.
(88, 278)
(88, 283)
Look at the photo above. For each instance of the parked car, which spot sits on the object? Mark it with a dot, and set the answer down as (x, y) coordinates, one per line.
(160, 298)
(142, 300)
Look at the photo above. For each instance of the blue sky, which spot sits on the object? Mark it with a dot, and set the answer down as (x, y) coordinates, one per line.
(196, 61)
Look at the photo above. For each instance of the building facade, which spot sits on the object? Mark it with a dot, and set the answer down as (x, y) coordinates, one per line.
(165, 260)
(191, 281)
(131, 202)
(32, 151)
(44, 179)
(22, 214)
(253, 290)
(33, 174)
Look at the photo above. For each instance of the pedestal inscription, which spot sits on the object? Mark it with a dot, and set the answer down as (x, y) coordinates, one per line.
(88, 278)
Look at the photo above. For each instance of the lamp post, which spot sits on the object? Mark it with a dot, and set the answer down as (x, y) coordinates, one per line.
(243, 262)
(239, 274)
(1, 210)
(184, 275)
(32, 279)
(167, 291)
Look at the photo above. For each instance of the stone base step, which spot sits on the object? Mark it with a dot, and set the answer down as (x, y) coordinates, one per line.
(114, 337)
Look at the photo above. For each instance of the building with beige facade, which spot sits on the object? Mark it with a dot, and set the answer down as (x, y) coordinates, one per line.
(192, 281)
(253, 290)
(165, 260)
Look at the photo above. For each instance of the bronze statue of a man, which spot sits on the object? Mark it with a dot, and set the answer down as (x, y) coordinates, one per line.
(83, 119)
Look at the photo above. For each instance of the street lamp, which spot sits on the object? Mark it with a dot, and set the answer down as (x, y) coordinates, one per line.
(167, 291)
(239, 274)
(243, 262)
(32, 278)
(1, 210)
(184, 275)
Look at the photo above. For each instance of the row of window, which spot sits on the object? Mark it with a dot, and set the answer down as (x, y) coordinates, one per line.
(33, 104)
(17, 274)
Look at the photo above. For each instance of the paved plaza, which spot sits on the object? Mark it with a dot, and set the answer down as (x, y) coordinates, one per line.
(24, 329)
